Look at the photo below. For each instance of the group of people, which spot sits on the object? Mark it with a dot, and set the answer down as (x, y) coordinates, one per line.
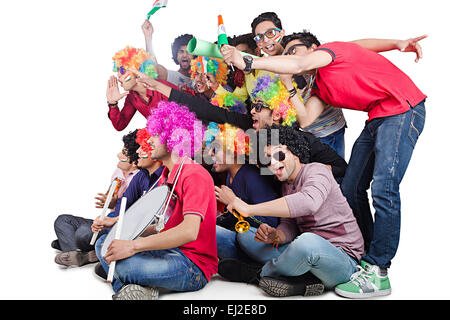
(258, 138)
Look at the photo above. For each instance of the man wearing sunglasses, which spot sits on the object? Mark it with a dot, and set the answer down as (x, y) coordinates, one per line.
(317, 234)
(353, 77)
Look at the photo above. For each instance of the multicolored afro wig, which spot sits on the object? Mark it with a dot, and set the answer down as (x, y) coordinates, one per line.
(177, 128)
(232, 139)
(142, 137)
(217, 67)
(230, 101)
(270, 90)
(134, 58)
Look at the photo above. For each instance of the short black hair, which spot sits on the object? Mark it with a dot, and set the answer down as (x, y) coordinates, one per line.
(293, 138)
(243, 39)
(131, 146)
(180, 41)
(266, 16)
(305, 37)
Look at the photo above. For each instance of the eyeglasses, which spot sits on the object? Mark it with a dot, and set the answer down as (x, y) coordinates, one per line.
(292, 49)
(278, 156)
(258, 106)
(270, 33)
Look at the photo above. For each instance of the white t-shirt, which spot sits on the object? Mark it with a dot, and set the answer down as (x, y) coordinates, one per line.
(178, 79)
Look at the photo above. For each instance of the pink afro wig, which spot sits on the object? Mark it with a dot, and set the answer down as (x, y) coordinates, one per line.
(177, 127)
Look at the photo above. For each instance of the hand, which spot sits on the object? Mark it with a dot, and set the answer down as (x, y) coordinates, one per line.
(265, 234)
(232, 56)
(412, 45)
(240, 206)
(224, 194)
(144, 79)
(113, 94)
(99, 225)
(101, 199)
(119, 249)
(211, 81)
(147, 28)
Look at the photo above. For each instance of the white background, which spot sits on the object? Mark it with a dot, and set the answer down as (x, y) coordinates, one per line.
(58, 146)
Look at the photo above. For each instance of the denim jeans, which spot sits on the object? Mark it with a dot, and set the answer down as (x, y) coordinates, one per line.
(242, 246)
(169, 269)
(336, 141)
(311, 253)
(74, 233)
(380, 156)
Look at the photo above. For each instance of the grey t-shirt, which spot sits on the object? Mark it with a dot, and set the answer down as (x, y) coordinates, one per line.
(178, 79)
(317, 205)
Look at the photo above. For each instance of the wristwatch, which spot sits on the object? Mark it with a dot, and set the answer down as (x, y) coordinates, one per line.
(248, 64)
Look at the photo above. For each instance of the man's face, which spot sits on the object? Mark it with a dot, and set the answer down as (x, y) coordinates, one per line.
(262, 118)
(270, 46)
(184, 58)
(144, 160)
(243, 47)
(298, 48)
(282, 161)
(159, 150)
(124, 162)
(200, 82)
(127, 80)
(221, 159)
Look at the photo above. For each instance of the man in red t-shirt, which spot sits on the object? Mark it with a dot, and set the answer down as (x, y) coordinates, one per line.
(353, 77)
(184, 256)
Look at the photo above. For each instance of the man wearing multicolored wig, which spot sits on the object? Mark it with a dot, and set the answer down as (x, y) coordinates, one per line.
(184, 256)
(138, 98)
(208, 75)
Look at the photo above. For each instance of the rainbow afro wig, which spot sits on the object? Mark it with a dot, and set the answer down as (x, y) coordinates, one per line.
(233, 139)
(230, 101)
(177, 128)
(270, 90)
(217, 67)
(135, 58)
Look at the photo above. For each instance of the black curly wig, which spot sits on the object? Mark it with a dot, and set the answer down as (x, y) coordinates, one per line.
(131, 146)
(291, 137)
(180, 41)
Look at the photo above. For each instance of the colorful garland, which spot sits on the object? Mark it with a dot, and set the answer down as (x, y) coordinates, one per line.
(176, 127)
(217, 67)
(137, 59)
(274, 94)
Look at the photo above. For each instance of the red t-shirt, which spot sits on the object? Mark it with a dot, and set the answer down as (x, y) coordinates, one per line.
(195, 192)
(121, 118)
(364, 80)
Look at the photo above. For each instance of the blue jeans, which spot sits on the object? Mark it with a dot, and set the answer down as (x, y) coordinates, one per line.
(311, 253)
(380, 156)
(336, 141)
(74, 233)
(169, 269)
(242, 246)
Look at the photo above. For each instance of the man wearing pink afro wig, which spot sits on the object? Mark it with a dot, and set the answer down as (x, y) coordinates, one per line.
(184, 256)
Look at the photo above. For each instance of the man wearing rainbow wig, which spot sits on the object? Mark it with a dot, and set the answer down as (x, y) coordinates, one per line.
(138, 98)
(184, 256)
(208, 74)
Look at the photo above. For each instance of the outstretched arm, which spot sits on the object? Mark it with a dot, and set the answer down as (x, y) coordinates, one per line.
(382, 45)
(147, 29)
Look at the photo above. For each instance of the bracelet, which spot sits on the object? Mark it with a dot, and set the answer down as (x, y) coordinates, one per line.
(113, 104)
(292, 92)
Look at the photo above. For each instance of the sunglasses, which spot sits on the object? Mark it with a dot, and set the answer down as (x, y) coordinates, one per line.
(278, 156)
(258, 106)
(270, 33)
(292, 49)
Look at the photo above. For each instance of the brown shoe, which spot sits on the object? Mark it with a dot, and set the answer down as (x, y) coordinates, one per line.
(75, 258)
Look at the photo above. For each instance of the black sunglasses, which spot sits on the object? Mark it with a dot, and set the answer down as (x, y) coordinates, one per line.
(258, 106)
(292, 50)
(279, 156)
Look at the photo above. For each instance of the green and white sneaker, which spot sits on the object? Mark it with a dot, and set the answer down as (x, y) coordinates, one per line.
(369, 281)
